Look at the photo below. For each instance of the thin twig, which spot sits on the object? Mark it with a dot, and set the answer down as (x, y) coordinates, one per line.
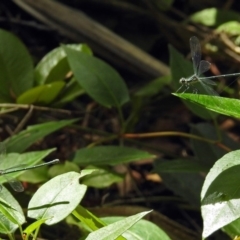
(24, 120)
(16, 107)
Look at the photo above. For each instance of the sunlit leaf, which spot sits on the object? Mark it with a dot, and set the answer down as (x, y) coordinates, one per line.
(13, 214)
(57, 198)
(228, 106)
(116, 229)
(221, 193)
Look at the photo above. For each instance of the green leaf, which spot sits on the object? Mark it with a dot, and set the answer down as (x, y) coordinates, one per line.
(180, 67)
(142, 230)
(16, 67)
(213, 17)
(13, 215)
(37, 175)
(57, 198)
(211, 152)
(43, 94)
(28, 159)
(21, 141)
(71, 91)
(102, 178)
(98, 79)
(109, 155)
(221, 193)
(63, 168)
(179, 165)
(163, 5)
(185, 184)
(228, 106)
(87, 218)
(116, 229)
(153, 87)
(231, 28)
(232, 229)
(32, 227)
(54, 66)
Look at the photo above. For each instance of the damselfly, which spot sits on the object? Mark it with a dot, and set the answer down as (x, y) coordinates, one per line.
(199, 67)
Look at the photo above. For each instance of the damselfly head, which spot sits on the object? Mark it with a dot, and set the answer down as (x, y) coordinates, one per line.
(182, 80)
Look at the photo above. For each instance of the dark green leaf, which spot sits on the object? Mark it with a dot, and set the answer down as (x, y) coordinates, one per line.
(179, 165)
(211, 152)
(16, 67)
(21, 141)
(109, 155)
(186, 185)
(153, 87)
(98, 79)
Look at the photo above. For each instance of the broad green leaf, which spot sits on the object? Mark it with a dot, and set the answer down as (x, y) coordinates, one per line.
(12, 160)
(13, 214)
(231, 28)
(57, 198)
(221, 193)
(116, 229)
(179, 165)
(98, 79)
(21, 141)
(228, 106)
(214, 17)
(211, 152)
(142, 230)
(102, 178)
(153, 87)
(180, 68)
(185, 184)
(54, 66)
(16, 67)
(109, 155)
(43, 94)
